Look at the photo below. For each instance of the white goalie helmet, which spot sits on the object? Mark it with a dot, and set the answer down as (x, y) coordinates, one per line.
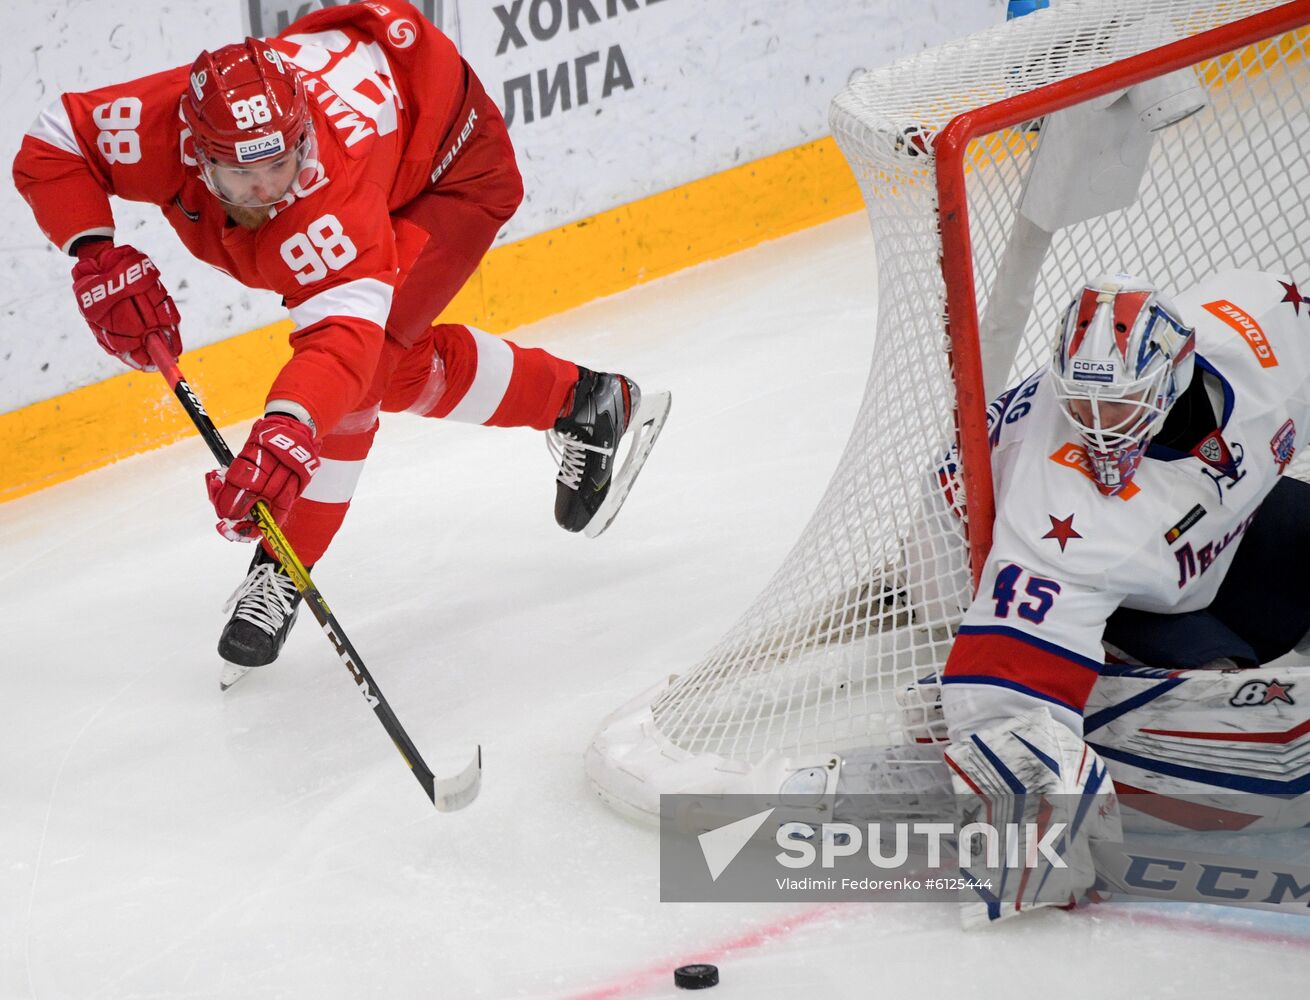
(1123, 356)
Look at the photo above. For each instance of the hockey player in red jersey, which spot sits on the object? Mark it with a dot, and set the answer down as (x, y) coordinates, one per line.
(355, 165)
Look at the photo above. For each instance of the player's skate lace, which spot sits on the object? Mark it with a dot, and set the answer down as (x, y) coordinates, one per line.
(571, 454)
(264, 598)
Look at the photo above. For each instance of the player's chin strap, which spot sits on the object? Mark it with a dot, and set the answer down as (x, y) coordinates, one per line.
(447, 794)
(1034, 776)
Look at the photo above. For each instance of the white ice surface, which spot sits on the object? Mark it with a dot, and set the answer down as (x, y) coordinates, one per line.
(160, 840)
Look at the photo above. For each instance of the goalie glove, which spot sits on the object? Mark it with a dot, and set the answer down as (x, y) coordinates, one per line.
(1036, 774)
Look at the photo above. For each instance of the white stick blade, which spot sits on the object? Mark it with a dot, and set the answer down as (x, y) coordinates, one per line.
(450, 794)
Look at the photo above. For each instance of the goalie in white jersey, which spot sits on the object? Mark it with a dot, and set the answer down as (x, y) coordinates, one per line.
(1140, 498)
(1141, 506)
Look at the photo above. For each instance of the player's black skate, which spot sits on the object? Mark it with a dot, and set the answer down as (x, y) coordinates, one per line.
(592, 485)
(263, 609)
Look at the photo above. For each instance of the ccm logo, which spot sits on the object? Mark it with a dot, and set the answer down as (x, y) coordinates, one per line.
(98, 293)
(301, 454)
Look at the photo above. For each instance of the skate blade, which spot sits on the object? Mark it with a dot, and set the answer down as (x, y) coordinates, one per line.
(645, 429)
(230, 674)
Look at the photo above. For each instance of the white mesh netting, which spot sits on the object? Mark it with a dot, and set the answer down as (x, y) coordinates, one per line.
(835, 652)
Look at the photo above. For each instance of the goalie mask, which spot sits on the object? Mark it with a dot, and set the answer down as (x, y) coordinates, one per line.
(249, 118)
(1123, 356)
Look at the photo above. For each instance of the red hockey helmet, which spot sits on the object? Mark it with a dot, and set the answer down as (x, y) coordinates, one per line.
(249, 117)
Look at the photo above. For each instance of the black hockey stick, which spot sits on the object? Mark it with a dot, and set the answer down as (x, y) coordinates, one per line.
(447, 794)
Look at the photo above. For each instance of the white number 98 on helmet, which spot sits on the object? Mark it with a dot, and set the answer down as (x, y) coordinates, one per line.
(1123, 356)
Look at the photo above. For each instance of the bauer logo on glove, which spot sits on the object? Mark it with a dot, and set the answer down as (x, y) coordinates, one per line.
(123, 301)
(275, 466)
(116, 284)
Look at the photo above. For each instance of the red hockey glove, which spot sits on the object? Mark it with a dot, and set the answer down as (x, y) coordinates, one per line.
(122, 300)
(275, 466)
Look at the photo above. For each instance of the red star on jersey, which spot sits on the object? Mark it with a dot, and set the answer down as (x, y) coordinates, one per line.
(1293, 295)
(1061, 530)
(1278, 692)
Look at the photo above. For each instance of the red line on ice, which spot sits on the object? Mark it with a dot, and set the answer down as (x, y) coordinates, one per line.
(662, 973)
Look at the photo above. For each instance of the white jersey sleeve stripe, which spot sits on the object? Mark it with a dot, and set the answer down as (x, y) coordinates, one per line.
(52, 126)
(334, 481)
(365, 298)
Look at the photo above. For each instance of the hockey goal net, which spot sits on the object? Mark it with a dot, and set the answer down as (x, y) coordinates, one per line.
(1177, 142)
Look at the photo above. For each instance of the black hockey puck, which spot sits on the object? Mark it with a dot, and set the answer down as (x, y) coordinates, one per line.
(696, 977)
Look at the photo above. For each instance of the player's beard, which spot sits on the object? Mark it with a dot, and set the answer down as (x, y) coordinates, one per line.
(248, 218)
